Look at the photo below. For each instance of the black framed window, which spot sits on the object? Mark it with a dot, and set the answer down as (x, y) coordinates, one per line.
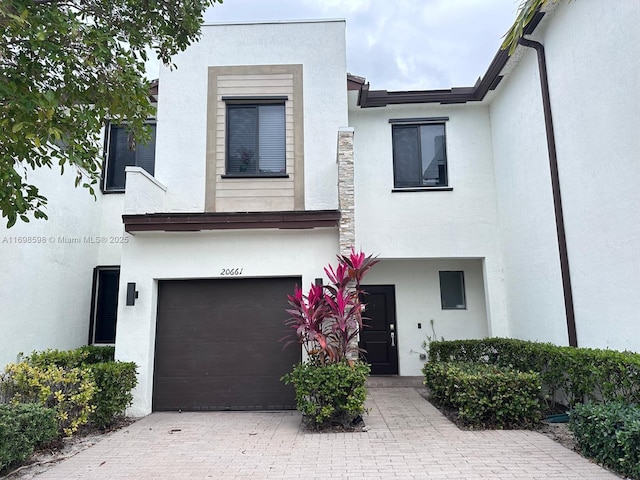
(256, 140)
(452, 295)
(104, 311)
(419, 155)
(123, 152)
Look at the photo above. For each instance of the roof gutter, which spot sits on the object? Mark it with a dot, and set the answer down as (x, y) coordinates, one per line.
(555, 187)
(381, 98)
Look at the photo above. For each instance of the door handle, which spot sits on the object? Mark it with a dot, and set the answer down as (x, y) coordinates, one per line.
(393, 339)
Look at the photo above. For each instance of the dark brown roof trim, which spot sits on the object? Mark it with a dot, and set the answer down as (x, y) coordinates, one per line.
(381, 98)
(195, 222)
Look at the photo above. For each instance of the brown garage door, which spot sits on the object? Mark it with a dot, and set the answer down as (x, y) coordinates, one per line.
(218, 348)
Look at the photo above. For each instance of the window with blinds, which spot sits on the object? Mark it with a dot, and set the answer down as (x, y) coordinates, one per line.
(255, 140)
(122, 152)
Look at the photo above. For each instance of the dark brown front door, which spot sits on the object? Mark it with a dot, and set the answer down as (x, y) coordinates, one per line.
(380, 337)
(218, 345)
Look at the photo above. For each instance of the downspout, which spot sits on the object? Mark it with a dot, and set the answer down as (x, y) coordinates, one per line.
(555, 186)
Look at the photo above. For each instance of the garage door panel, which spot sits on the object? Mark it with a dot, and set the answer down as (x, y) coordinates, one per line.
(233, 357)
(194, 394)
(218, 345)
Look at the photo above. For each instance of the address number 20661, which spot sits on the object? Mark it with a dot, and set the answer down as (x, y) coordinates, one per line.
(231, 271)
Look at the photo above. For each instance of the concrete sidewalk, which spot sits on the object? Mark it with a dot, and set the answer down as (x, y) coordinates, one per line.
(407, 439)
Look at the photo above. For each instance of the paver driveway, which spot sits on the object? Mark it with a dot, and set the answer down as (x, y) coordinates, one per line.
(408, 438)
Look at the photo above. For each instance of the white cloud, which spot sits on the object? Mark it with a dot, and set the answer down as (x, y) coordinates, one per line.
(401, 44)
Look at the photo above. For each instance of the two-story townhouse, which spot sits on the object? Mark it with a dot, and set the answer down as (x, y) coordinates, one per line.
(266, 165)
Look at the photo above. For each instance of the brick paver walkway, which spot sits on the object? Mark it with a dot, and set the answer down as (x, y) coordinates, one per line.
(407, 439)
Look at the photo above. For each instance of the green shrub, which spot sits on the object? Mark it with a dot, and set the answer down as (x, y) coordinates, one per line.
(114, 382)
(569, 375)
(58, 358)
(329, 394)
(22, 429)
(610, 434)
(86, 355)
(486, 396)
(68, 391)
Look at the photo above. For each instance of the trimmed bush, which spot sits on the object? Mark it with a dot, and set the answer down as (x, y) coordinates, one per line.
(609, 434)
(486, 396)
(22, 429)
(86, 355)
(114, 382)
(68, 391)
(569, 375)
(331, 394)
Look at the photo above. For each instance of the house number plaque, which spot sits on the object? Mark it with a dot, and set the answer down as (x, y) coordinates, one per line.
(231, 271)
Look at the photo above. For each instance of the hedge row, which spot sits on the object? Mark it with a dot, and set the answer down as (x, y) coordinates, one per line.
(610, 434)
(486, 396)
(81, 385)
(569, 375)
(23, 428)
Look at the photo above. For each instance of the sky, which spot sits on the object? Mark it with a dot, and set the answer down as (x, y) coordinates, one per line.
(399, 44)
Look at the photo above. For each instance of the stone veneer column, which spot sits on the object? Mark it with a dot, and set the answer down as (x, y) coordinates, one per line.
(346, 199)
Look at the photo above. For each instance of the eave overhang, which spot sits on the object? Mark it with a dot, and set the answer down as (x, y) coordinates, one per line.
(381, 98)
(196, 222)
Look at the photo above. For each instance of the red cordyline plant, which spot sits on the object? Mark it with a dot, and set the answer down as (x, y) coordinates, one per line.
(328, 319)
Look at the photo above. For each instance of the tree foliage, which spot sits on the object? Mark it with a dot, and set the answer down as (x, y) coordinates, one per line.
(68, 66)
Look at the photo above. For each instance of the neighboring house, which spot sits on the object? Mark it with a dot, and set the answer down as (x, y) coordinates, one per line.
(267, 164)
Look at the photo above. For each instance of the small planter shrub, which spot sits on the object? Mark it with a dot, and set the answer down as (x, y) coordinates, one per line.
(81, 385)
(23, 428)
(326, 322)
(331, 394)
(68, 391)
(609, 434)
(114, 382)
(486, 396)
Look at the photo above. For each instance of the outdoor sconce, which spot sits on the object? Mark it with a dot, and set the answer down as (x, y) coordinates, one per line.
(132, 294)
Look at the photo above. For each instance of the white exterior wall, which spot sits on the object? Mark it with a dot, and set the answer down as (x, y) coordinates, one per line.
(596, 110)
(417, 290)
(182, 109)
(525, 204)
(159, 256)
(596, 114)
(431, 224)
(45, 285)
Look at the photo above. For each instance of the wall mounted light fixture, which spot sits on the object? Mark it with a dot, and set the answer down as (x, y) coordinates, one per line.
(132, 293)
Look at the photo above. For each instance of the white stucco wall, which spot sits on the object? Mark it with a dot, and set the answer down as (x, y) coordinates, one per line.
(417, 289)
(596, 109)
(182, 109)
(461, 223)
(47, 267)
(153, 256)
(596, 114)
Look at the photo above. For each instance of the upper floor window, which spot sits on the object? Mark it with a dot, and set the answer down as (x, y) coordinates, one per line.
(122, 152)
(256, 140)
(419, 155)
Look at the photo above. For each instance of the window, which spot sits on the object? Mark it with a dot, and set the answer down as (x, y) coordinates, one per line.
(122, 152)
(452, 291)
(419, 155)
(255, 140)
(104, 311)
